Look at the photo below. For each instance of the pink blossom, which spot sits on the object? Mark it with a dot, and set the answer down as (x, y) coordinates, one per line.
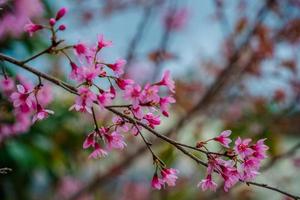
(115, 140)
(122, 83)
(32, 28)
(74, 71)
(61, 13)
(12, 23)
(157, 182)
(102, 43)
(152, 120)
(84, 101)
(81, 49)
(7, 84)
(98, 152)
(117, 67)
(230, 178)
(167, 81)
(104, 99)
(137, 112)
(169, 176)
(41, 114)
(223, 138)
(150, 94)
(45, 95)
(22, 98)
(120, 124)
(112, 91)
(207, 183)
(89, 140)
(132, 93)
(164, 103)
(176, 19)
(260, 149)
(88, 74)
(242, 147)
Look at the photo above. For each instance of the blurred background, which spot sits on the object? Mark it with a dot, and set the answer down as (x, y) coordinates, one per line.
(236, 66)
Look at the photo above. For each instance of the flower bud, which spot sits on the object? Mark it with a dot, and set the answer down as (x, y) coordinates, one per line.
(60, 13)
(52, 21)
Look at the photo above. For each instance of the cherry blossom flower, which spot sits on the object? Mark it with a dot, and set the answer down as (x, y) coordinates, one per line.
(41, 113)
(102, 43)
(88, 74)
(120, 124)
(122, 83)
(260, 149)
(152, 120)
(150, 94)
(84, 101)
(74, 71)
(7, 84)
(169, 176)
(164, 103)
(89, 140)
(157, 182)
(167, 81)
(32, 28)
(207, 183)
(81, 49)
(98, 152)
(115, 140)
(22, 98)
(242, 147)
(117, 67)
(12, 23)
(104, 99)
(223, 138)
(132, 93)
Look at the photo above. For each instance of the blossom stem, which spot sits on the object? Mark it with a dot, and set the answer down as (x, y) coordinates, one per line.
(94, 118)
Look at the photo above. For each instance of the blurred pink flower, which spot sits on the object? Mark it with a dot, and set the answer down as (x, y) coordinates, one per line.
(176, 19)
(207, 183)
(13, 21)
(223, 138)
(157, 182)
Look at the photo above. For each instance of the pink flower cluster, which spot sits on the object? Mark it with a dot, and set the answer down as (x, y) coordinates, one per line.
(242, 163)
(32, 28)
(27, 104)
(168, 176)
(144, 103)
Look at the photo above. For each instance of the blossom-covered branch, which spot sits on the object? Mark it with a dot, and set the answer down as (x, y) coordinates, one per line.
(142, 110)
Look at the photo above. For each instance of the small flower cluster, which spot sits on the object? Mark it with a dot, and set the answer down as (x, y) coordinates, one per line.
(144, 103)
(27, 103)
(168, 176)
(242, 163)
(31, 28)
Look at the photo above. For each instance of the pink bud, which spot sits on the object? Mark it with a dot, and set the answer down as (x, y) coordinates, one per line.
(62, 27)
(32, 28)
(60, 13)
(52, 21)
